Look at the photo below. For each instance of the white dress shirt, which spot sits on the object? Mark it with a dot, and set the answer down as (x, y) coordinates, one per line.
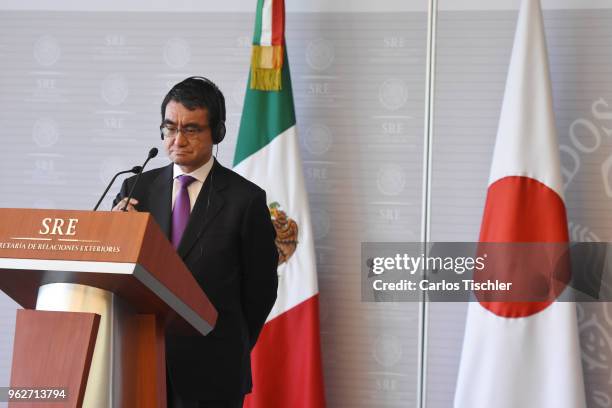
(194, 188)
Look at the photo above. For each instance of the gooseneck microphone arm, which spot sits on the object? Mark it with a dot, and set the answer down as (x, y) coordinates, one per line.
(135, 170)
(152, 154)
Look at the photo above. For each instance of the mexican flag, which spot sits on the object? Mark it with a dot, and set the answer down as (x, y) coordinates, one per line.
(524, 353)
(286, 361)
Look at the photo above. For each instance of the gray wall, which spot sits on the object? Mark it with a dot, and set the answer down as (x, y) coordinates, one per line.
(79, 98)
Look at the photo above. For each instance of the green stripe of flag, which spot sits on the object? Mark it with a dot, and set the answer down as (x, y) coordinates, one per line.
(265, 115)
(258, 16)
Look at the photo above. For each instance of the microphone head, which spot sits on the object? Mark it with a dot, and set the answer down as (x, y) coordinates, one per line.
(137, 169)
(152, 153)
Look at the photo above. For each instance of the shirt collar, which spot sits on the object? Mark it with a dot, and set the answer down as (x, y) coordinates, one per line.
(199, 174)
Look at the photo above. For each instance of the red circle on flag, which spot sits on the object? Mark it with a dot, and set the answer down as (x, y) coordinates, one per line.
(523, 210)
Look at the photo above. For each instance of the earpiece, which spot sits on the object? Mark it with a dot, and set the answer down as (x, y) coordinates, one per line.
(219, 130)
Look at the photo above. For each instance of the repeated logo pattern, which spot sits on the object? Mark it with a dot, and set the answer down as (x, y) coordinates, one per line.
(391, 179)
(393, 94)
(97, 94)
(318, 139)
(114, 89)
(47, 50)
(45, 132)
(595, 322)
(177, 53)
(320, 54)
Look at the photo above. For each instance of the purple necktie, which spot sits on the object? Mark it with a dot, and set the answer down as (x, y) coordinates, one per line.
(182, 209)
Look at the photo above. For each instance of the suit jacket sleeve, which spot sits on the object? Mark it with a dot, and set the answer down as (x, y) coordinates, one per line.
(259, 264)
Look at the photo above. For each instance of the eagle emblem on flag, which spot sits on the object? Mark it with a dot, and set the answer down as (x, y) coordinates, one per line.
(286, 232)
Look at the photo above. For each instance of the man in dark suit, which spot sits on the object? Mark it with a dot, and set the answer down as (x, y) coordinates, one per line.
(220, 224)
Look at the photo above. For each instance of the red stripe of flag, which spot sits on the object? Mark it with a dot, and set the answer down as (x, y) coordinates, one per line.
(278, 22)
(286, 361)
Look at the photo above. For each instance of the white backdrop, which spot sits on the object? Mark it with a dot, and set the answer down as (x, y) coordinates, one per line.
(79, 95)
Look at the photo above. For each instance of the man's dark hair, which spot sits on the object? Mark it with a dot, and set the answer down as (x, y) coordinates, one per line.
(197, 92)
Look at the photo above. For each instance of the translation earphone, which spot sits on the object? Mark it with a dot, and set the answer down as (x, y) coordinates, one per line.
(218, 130)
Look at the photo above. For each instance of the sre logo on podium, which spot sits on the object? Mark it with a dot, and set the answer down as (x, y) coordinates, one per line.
(59, 226)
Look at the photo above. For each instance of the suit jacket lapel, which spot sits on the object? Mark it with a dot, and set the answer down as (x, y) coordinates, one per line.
(203, 212)
(160, 199)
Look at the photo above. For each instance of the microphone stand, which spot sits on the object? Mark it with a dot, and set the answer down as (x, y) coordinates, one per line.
(135, 170)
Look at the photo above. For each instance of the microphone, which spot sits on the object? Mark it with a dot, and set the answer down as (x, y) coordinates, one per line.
(152, 154)
(135, 170)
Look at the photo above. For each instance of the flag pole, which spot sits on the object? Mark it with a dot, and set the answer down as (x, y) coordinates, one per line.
(432, 14)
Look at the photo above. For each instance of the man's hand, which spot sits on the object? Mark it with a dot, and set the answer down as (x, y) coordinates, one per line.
(130, 206)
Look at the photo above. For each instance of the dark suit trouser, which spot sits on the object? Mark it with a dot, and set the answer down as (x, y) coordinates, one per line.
(237, 403)
(174, 401)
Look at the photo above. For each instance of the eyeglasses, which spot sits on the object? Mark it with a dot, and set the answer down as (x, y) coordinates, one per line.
(190, 132)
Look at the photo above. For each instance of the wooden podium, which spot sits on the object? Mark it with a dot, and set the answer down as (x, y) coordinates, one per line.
(102, 288)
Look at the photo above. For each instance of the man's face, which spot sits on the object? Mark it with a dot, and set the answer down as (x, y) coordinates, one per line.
(188, 151)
